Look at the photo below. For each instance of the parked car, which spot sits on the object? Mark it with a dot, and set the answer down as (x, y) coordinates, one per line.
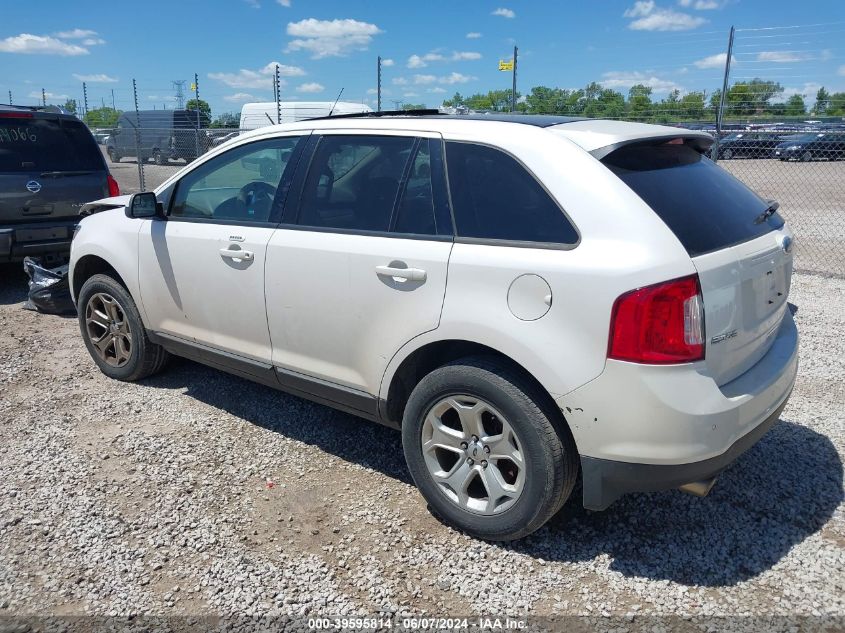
(50, 166)
(616, 302)
(161, 135)
(222, 138)
(749, 145)
(807, 147)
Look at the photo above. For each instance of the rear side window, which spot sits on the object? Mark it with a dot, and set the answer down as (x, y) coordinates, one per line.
(38, 144)
(494, 197)
(705, 207)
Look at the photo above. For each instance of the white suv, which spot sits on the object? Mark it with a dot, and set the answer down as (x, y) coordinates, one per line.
(527, 298)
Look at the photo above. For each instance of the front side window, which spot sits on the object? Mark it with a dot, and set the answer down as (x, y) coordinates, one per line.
(240, 185)
(495, 197)
(354, 181)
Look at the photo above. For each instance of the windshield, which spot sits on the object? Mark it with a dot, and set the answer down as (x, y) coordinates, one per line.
(804, 138)
(41, 145)
(705, 207)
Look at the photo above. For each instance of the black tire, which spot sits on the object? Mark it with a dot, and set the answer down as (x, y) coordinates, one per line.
(158, 158)
(114, 156)
(806, 157)
(728, 154)
(145, 357)
(545, 441)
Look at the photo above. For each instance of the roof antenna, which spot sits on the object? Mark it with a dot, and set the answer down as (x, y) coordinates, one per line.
(335, 102)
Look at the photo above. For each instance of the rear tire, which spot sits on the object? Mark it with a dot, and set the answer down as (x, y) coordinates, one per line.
(806, 157)
(728, 154)
(158, 158)
(113, 332)
(113, 156)
(463, 415)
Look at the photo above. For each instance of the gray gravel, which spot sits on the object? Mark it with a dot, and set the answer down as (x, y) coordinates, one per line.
(200, 493)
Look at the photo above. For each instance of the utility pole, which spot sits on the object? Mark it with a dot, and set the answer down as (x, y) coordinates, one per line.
(179, 85)
(112, 100)
(721, 112)
(513, 91)
(85, 100)
(10, 97)
(197, 104)
(141, 183)
(43, 98)
(278, 96)
(378, 82)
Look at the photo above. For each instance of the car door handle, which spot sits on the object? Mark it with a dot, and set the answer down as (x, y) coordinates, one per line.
(410, 274)
(236, 254)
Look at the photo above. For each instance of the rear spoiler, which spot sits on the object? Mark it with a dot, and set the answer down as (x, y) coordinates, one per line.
(699, 142)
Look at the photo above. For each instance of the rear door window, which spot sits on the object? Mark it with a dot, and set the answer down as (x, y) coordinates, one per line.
(495, 198)
(705, 207)
(41, 144)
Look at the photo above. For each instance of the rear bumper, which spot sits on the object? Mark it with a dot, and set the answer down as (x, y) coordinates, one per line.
(36, 238)
(645, 428)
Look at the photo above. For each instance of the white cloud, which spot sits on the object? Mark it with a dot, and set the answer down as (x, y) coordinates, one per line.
(75, 34)
(261, 78)
(424, 79)
(473, 35)
(240, 97)
(100, 78)
(372, 91)
(622, 79)
(400, 81)
(645, 15)
(28, 44)
(93, 41)
(330, 38)
(505, 13)
(312, 86)
(841, 71)
(387, 63)
(255, 4)
(782, 56)
(459, 56)
(410, 94)
(714, 61)
(456, 78)
(707, 5)
(161, 98)
(284, 3)
(36, 94)
(437, 89)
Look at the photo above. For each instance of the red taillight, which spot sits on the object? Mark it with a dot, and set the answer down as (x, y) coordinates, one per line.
(659, 324)
(114, 188)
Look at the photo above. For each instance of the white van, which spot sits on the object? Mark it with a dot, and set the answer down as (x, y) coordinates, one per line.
(255, 115)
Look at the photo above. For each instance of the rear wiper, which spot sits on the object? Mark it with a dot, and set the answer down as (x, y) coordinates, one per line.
(61, 174)
(769, 212)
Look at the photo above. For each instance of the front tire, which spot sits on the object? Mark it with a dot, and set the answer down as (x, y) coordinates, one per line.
(806, 157)
(728, 154)
(113, 332)
(158, 158)
(487, 449)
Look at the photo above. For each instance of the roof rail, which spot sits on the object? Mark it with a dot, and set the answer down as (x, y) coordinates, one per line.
(380, 113)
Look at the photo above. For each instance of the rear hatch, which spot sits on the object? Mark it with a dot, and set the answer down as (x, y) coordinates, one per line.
(49, 167)
(738, 243)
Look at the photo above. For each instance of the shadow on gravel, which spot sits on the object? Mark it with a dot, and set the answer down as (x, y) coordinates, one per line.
(784, 489)
(13, 284)
(777, 494)
(340, 434)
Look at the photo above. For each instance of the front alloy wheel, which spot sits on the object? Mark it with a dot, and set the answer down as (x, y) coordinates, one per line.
(108, 329)
(473, 454)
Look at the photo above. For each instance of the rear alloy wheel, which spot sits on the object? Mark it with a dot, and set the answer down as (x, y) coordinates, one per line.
(158, 158)
(806, 157)
(113, 332)
(728, 154)
(488, 449)
(114, 156)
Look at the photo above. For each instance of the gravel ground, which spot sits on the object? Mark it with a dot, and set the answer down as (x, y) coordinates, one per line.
(200, 493)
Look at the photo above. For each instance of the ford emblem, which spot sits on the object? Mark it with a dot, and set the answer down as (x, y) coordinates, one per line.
(33, 186)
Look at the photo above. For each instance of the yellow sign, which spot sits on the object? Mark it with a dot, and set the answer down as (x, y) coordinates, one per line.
(193, 86)
(505, 65)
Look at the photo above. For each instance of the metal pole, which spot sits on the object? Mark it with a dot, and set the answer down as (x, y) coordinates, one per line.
(513, 91)
(278, 96)
(10, 97)
(721, 112)
(112, 100)
(43, 98)
(378, 89)
(85, 100)
(141, 183)
(197, 104)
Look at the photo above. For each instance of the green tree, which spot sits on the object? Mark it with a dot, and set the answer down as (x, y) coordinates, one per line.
(691, 106)
(227, 119)
(822, 101)
(456, 100)
(413, 106)
(837, 104)
(639, 102)
(102, 117)
(203, 107)
(70, 106)
(795, 106)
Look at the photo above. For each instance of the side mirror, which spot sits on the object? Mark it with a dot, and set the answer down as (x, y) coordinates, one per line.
(144, 205)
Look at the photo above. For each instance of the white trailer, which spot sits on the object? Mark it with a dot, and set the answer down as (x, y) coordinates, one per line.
(255, 115)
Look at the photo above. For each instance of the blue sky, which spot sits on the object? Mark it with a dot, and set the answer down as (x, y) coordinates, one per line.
(433, 48)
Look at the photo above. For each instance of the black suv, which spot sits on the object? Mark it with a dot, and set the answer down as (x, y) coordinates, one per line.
(749, 145)
(50, 166)
(161, 135)
(807, 147)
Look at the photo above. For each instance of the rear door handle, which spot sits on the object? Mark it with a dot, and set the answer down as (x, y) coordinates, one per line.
(410, 274)
(236, 254)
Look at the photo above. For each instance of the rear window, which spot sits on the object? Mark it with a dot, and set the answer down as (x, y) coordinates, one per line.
(47, 145)
(704, 206)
